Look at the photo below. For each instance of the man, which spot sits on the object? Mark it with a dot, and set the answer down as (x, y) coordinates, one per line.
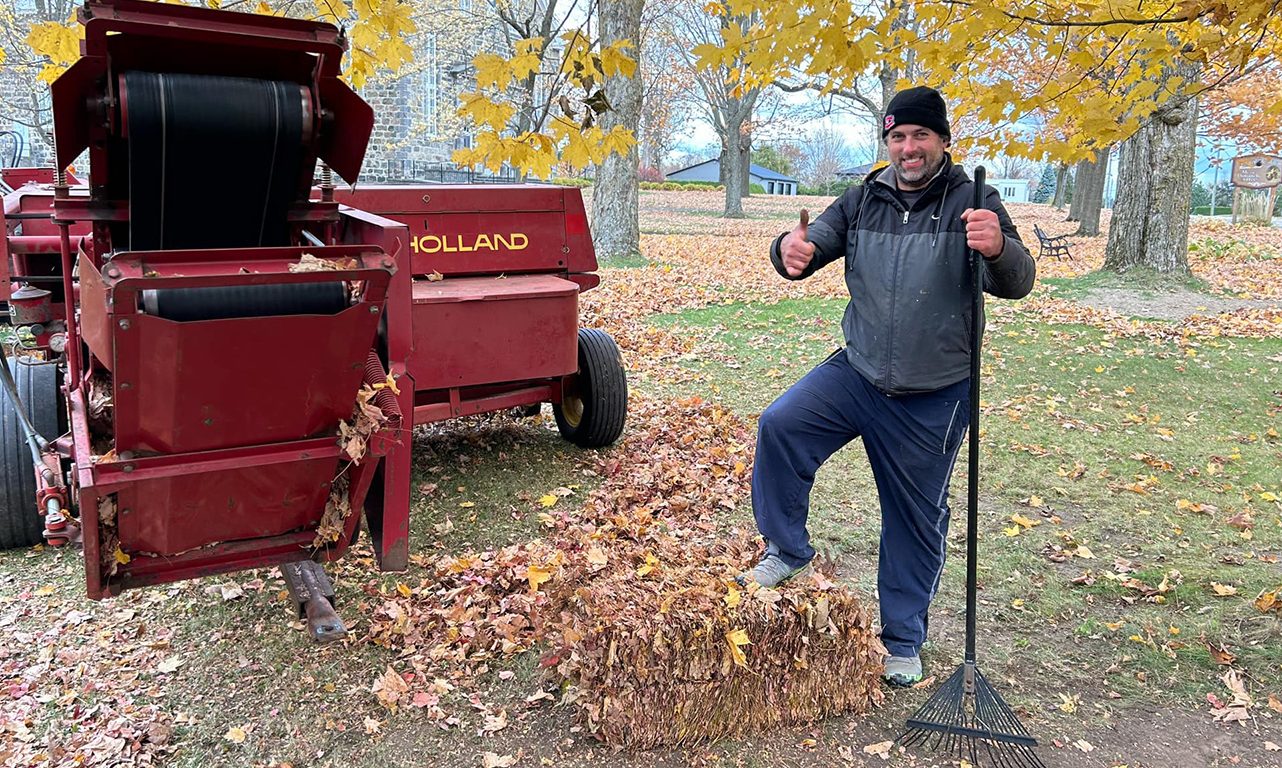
(902, 380)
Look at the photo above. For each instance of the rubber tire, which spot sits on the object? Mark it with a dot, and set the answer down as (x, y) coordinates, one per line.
(20, 522)
(603, 390)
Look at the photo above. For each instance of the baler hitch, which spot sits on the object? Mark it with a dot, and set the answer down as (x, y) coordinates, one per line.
(313, 595)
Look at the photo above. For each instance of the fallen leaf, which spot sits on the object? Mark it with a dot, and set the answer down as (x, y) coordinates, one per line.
(1223, 590)
(1084, 745)
(649, 565)
(880, 749)
(548, 499)
(1219, 654)
(236, 735)
(495, 723)
(495, 760)
(372, 725)
(389, 688)
(169, 665)
(737, 639)
(536, 575)
(1270, 746)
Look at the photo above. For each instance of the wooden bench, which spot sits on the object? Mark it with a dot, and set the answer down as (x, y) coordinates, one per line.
(1052, 246)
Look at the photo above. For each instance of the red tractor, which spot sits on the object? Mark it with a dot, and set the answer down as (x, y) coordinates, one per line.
(213, 374)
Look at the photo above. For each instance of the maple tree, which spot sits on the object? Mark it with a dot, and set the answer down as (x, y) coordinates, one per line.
(1115, 73)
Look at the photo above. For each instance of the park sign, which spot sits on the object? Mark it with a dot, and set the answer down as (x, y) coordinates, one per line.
(1257, 171)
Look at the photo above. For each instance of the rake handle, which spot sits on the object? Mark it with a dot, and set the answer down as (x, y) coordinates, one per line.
(972, 489)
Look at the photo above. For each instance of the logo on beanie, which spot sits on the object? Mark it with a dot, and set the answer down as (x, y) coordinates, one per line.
(890, 122)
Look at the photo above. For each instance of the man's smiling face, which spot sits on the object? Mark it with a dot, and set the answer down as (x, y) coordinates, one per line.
(916, 152)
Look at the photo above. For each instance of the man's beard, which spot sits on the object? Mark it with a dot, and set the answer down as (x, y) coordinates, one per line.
(926, 171)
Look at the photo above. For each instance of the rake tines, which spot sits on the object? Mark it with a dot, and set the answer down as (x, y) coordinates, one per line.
(968, 718)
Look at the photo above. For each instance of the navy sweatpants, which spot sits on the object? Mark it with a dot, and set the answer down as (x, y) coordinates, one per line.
(912, 443)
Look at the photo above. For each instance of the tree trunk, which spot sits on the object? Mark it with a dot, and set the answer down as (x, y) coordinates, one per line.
(745, 160)
(616, 231)
(1154, 186)
(1061, 186)
(1080, 184)
(1089, 190)
(732, 168)
(889, 77)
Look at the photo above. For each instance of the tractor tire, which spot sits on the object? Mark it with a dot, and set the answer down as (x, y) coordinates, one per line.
(595, 405)
(21, 524)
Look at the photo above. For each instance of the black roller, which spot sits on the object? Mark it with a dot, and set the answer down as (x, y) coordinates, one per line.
(186, 304)
(214, 162)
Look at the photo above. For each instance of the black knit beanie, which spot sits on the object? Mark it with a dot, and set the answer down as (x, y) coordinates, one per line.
(917, 106)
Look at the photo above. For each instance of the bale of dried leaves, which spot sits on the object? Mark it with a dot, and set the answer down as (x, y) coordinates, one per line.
(680, 656)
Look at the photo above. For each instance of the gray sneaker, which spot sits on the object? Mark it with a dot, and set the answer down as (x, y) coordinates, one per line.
(902, 671)
(771, 572)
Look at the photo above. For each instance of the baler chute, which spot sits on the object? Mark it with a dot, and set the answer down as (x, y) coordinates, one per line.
(222, 347)
(239, 352)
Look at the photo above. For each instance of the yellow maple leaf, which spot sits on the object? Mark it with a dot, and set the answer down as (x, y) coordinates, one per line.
(491, 71)
(120, 556)
(58, 42)
(733, 597)
(737, 639)
(536, 575)
(548, 500)
(403, 589)
(651, 562)
(1024, 522)
(1223, 590)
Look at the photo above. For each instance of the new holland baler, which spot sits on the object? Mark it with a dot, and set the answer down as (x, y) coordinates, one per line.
(217, 358)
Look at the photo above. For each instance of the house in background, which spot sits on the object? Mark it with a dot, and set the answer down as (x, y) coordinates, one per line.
(773, 182)
(1011, 190)
(854, 172)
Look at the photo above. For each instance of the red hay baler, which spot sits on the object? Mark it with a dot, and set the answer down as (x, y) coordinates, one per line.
(218, 360)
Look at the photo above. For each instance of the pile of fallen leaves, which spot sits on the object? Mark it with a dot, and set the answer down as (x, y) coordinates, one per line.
(642, 552)
(673, 653)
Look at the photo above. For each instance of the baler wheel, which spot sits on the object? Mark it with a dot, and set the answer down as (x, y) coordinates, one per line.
(595, 404)
(20, 522)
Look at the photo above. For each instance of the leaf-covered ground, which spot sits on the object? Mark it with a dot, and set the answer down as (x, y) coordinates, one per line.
(1131, 592)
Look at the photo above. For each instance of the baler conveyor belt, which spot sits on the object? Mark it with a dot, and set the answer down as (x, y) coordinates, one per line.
(214, 162)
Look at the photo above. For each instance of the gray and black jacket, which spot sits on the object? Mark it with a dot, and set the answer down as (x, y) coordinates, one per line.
(907, 325)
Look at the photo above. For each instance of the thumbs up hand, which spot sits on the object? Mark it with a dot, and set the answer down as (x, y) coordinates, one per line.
(796, 249)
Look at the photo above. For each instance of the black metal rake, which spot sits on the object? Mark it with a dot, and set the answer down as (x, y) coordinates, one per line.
(967, 716)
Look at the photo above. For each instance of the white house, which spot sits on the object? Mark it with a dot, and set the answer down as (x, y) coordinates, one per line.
(773, 182)
(1011, 190)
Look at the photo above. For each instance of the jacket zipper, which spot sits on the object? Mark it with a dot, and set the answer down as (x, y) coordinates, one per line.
(890, 336)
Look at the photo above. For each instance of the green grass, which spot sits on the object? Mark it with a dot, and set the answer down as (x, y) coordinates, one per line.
(477, 482)
(1104, 442)
(1140, 280)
